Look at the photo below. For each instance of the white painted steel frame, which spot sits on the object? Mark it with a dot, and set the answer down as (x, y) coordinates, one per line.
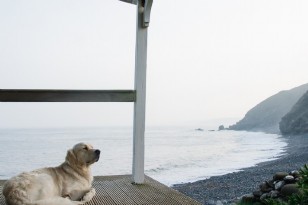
(139, 107)
(138, 96)
(143, 20)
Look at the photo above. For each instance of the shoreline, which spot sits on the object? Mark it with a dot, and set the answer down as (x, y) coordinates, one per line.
(229, 187)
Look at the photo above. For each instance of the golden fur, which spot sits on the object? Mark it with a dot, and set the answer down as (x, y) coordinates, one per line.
(68, 184)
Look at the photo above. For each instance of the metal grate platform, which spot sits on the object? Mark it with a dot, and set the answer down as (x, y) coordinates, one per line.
(118, 190)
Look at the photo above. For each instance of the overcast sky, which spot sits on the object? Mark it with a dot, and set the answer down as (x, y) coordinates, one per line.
(207, 60)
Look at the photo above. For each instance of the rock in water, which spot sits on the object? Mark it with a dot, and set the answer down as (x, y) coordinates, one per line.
(221, 127)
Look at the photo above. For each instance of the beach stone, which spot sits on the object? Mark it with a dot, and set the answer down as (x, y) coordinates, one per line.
(289, 179)
(264, 196)
(224, 202)
(248, 198)
(279, 185)
(274, 194)
(289, 189)
(295, 173)
(257, 193)
(264, 187)
(219, 203)
(280, 175)
(270, 183)
(211, 202)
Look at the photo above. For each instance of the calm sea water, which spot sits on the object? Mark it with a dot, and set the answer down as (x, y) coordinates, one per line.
(173, 155)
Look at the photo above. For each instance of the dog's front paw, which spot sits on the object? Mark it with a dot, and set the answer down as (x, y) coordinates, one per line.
(89, 195)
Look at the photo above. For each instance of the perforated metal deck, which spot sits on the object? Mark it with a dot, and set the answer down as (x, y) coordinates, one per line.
(118, 190)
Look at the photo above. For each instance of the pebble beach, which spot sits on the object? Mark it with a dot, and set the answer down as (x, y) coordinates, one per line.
(227, 189)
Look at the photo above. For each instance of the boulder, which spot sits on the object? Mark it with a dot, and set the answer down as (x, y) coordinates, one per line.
(257, 194)
(248, 198)
(265, 187)
(289, 189)
(280, 176)
(265, 196)
(279, 185)
(289, 179)
(295, 173)
(274, 194)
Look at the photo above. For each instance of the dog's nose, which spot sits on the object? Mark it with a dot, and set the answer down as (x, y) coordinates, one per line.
(97, 152)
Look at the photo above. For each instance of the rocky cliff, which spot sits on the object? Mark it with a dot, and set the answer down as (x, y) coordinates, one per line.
(266, 115)
(296, 121)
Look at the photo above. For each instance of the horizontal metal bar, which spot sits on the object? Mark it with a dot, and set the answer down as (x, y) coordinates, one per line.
(10, 95)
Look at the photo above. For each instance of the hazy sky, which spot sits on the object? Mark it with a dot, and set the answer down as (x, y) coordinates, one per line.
(206, 59)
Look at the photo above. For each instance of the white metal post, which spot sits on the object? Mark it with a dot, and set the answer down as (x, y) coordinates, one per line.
(143, 12)
(143, 20)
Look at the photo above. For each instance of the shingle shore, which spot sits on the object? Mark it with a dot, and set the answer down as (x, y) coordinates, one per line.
(228, 188)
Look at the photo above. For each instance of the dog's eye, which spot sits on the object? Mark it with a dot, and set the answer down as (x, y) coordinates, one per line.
(86, 148)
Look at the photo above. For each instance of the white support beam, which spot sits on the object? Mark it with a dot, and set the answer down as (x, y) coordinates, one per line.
(143, 12)
(143, 21)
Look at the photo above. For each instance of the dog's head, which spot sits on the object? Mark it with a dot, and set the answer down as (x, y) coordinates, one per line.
(82, 155)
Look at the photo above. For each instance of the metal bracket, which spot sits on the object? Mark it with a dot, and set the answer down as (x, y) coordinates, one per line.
(146, 12)
(146, 6)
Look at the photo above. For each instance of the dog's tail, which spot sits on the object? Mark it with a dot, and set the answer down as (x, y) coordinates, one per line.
(57, 201)
(14, 196)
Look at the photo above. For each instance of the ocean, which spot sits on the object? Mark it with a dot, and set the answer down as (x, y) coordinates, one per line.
(173, 155)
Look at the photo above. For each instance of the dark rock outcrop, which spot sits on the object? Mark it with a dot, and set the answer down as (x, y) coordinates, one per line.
(266, 115)
(296, 121)
(221, 127)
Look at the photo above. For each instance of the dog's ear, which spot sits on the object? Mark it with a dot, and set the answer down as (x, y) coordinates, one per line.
(71, 158)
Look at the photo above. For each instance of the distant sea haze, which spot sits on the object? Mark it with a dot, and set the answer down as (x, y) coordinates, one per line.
(172, 155)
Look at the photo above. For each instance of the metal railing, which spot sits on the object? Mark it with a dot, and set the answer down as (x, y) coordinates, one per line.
(23, 95)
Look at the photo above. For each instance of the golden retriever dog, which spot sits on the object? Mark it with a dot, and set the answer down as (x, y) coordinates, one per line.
(68, 184)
